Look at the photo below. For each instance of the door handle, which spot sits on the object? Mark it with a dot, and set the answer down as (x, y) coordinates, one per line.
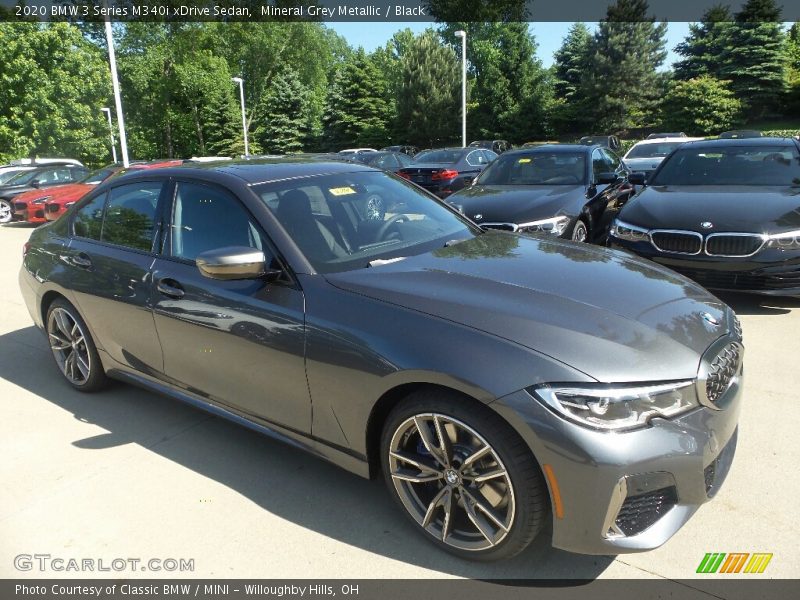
(170, 287)
(82, 261)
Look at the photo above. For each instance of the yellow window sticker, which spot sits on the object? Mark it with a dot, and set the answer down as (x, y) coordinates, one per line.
(342, 191)
(524, 160)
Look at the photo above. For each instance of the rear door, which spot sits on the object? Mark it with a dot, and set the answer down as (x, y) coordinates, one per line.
(109, 260)
(238, 343)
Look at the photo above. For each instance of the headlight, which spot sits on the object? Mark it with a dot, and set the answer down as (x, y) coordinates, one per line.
(789, 240)
(618, 407)
(554, 225)
(626, 231)
(42, 200)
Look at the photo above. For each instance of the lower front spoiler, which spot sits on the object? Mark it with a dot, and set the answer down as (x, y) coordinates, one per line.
(599, 480)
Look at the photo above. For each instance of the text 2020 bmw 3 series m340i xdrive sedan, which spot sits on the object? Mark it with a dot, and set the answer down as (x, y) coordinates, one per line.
(498, 381)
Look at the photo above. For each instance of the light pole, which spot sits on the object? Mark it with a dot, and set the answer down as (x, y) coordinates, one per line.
(240, 81)
(111, 132)
(112, 60)
(463, 35)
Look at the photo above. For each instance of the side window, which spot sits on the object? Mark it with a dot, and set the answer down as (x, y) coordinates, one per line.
(131, 215)
(489, 156)
(88, 220)
(599, 163)
(612, 159)
(207, 218)
(47, 176)
(476, 158)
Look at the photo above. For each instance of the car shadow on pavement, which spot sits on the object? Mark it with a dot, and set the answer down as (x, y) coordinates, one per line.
(755, 304)
(286, 482)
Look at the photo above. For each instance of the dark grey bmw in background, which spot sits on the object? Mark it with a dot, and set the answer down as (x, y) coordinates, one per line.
(495, 386)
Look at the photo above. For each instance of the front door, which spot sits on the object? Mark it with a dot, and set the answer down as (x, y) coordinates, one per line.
(238, 343)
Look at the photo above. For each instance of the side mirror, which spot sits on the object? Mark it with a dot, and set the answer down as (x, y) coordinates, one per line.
(36, 183)
(232, 262)
(637, 178)
(607, 178)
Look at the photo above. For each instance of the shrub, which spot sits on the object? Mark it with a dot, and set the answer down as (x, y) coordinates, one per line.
(701, 106)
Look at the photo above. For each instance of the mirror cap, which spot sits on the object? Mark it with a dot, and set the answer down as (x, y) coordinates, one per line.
(609, 177)
(637, 178)
(232, 262)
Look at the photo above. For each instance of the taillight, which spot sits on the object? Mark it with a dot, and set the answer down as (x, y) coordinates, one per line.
(404, 175)
(444, 175)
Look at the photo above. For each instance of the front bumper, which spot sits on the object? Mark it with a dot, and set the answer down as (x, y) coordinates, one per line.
(627, 492)
(771, 271)
(32, 213)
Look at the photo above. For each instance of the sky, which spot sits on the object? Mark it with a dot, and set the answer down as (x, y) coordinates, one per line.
(548, 35)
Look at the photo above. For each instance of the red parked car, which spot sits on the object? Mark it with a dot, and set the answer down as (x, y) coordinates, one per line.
(58, 203)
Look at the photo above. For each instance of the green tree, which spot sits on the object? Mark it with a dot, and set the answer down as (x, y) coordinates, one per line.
(622, 84)
(569, 112)
(792, 106)
(705, 45)
(282, 118)
(701, 106)
(428, 104)
(357, 111)
(755, 58)
(54, 83)
(509, 90)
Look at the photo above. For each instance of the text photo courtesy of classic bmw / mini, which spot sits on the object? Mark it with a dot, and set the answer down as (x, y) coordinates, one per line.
(365, 297)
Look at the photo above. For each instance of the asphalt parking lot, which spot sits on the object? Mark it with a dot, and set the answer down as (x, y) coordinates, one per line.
(128, 474)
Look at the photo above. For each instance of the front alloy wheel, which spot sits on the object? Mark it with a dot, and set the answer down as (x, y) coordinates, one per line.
(478, 494)
(6, 212)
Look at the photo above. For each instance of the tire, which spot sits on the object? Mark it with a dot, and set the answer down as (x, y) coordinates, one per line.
(447, 503)
(73, 348)
(6, 211)
(580, 231)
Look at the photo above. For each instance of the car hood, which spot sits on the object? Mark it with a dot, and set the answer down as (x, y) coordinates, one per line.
(756, 209)
(643, 164)
(612, 316)
(518, 203)
(66, 192)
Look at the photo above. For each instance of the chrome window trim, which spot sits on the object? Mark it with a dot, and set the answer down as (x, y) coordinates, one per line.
(680, 231)
(762, 237)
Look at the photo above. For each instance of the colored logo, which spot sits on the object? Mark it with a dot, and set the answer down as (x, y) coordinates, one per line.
(734, 562)
(706, 225)
(709, 318)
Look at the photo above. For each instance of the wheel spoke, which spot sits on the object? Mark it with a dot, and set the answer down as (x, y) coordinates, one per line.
(63, 323)
(478, 454)
(484, 509)
(489, 475)
(437, 501)
(445, 443)
(481, 525)
(68, 366)
(412, 477)
(447, 523)
(58, 343)
(415, 460)
(83, 365)
(428, 441)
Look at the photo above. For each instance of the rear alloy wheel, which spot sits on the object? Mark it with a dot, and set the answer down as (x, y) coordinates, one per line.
(580, 233)
(478, 495)
(6, 212)
(73, 348)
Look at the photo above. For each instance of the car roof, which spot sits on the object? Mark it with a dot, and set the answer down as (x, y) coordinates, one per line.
(671, 140)
(263, 170)
(553, 148)
(759, 141)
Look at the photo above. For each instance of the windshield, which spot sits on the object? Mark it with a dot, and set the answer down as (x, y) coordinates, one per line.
(23, 178)
(369, 158)
(98, 176)
(438, 156)
(731, 165)
(536, 168)
(350, 221)
(659, 150)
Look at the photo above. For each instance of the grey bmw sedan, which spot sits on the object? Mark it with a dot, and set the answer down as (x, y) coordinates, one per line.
(499, 383)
